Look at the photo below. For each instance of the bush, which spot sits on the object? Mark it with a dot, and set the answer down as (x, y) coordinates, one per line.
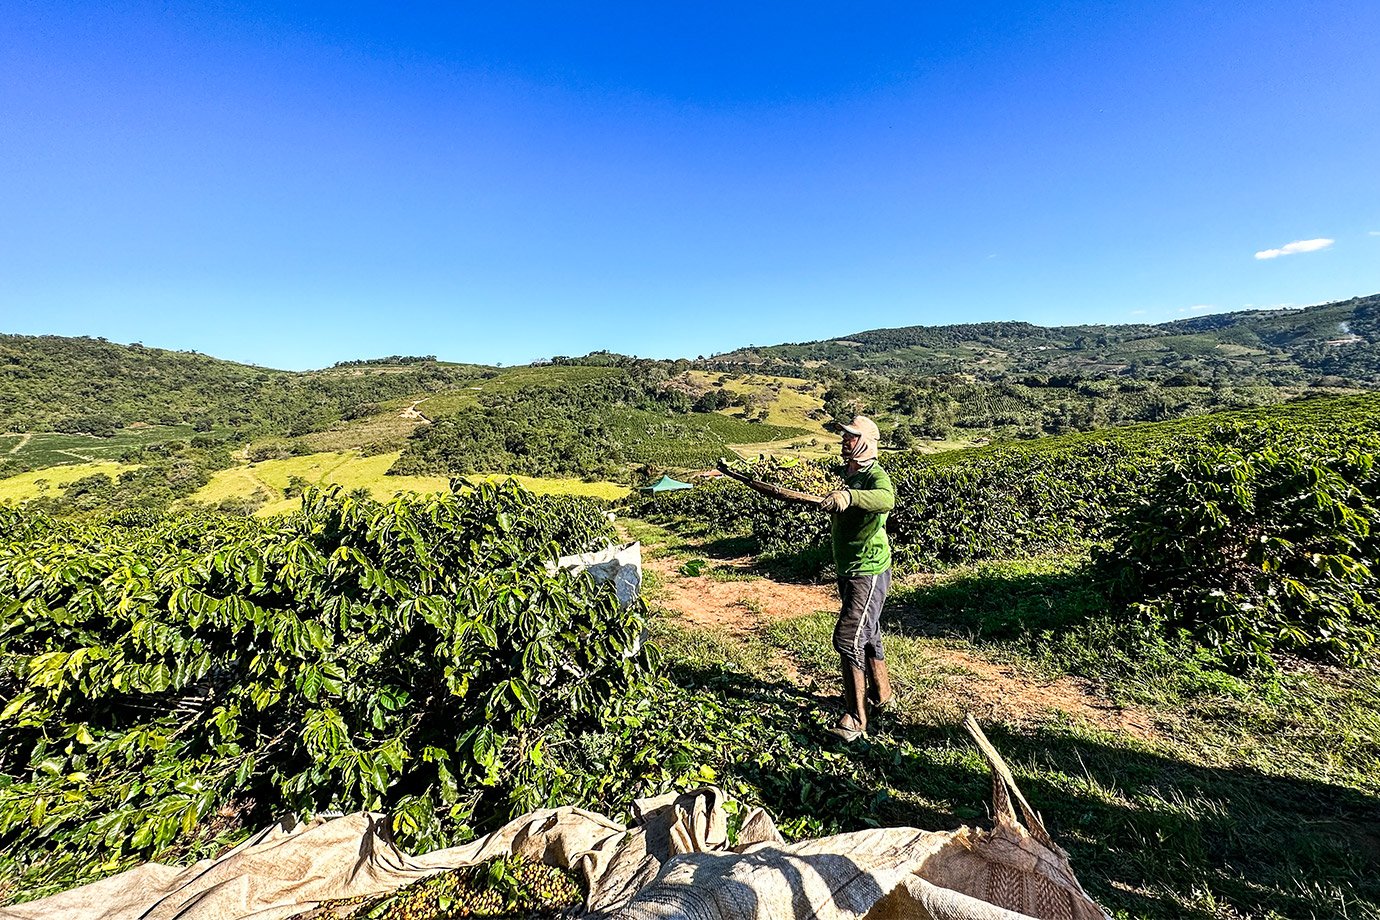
(1261, 545)
(991, 503)
(415, 656)
(273, 450)
(99, 424)
(1004, 501)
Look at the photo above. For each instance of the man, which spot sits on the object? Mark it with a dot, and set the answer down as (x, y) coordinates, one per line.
(862, 556)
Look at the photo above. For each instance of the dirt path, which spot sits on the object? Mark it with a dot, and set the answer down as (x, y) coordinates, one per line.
(957, 680)
(23, 439)
(740, 605)
(413, 413)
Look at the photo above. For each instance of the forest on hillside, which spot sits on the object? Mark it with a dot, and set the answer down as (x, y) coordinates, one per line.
(1271, 347)
(91, 386)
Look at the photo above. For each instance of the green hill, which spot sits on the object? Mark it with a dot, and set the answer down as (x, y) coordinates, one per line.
(147, 427)
(1339, 340)
(604, 416)
(91, 386)
(1004, 380)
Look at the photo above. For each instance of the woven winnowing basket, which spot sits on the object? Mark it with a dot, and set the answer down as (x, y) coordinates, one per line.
(1011, 867)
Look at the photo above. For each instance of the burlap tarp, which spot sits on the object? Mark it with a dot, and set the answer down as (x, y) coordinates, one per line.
(672, 861)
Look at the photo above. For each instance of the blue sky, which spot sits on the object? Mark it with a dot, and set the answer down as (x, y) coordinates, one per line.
(292, 185)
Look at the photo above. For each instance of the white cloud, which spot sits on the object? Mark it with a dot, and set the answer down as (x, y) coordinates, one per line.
(1375, 233)
(1137, 312)
(1289, 249)
(1202, 307)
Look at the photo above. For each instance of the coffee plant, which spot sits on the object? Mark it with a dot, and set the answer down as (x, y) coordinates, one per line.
(967, 505)
(1264, 543)
(420, 657)
(1008, 501)
(1002, 500)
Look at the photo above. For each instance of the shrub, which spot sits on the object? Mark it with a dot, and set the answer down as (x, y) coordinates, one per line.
(793, 536)
(1263, 544)
(1004, 501)
(414, 656)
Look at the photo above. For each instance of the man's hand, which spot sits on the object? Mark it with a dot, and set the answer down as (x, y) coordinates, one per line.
(835, 502)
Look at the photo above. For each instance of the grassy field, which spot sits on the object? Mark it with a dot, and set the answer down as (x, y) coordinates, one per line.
(1179, 790)
(790, 401)
(45, 449)
(379, 433)
(799, 403)
(268, 480)
(609, 491)
(49, 481)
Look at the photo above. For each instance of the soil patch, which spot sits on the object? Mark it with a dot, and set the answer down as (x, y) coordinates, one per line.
(739, 606)
(1003, 693)
(414, 414)
(966, 682)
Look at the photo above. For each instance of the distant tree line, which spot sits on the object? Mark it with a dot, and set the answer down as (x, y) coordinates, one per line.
(388, 361)
(1260, 347)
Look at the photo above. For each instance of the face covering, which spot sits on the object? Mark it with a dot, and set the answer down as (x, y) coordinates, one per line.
(864, 451)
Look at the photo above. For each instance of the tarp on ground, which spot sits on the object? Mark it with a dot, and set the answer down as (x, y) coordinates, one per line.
(673, 861)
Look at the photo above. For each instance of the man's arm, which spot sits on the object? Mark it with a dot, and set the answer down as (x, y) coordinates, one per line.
(879, 496)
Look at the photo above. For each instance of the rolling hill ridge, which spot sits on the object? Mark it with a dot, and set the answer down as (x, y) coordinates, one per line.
(1338, 340)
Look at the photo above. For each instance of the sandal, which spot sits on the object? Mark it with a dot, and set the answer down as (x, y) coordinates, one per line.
(841, 729)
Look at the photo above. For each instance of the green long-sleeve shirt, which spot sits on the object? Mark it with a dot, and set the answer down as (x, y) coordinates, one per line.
(859, 531)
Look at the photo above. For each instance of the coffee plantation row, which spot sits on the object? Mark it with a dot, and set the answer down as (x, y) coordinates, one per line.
(1256, 530)
(417, 656)
(168, 685)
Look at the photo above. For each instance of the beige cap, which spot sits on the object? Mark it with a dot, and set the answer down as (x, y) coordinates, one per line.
(864, 427)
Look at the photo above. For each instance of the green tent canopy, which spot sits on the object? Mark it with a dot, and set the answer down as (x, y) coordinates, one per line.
(667, 484)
